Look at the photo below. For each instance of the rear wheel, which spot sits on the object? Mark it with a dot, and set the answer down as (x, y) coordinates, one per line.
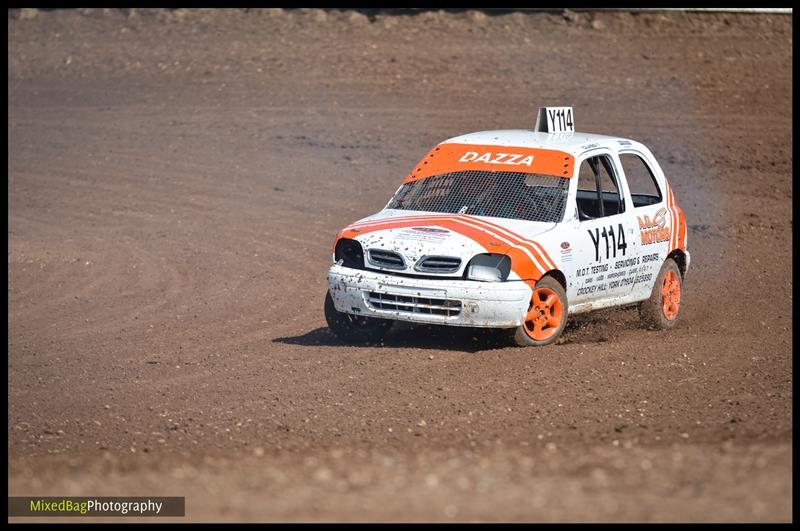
(354, 328)
(546, 317)
(663, 309)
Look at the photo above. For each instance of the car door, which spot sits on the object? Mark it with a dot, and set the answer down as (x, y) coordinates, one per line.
(651, 214)
(603, 231)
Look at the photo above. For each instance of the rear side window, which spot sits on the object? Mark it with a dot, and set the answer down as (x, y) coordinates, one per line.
(641, 182)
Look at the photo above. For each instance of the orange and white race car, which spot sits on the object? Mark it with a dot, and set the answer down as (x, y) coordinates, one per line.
(516, 230)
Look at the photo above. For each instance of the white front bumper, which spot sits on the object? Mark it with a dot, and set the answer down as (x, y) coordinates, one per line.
(434, 301)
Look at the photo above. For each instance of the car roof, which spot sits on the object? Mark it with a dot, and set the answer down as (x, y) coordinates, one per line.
(573, 143)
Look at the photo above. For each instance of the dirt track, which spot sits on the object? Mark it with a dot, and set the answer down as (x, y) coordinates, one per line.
(175, 184)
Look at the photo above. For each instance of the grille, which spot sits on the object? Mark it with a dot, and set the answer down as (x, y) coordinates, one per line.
(438, 264)
(388, 259)
(423, 305)
(501, 194)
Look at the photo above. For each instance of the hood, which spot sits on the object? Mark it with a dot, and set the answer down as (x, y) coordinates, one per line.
(425, 242)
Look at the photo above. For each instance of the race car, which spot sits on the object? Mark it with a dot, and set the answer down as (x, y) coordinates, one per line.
(515, 230)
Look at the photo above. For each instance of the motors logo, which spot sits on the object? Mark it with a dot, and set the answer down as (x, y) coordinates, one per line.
(654, 230)
(497, 158)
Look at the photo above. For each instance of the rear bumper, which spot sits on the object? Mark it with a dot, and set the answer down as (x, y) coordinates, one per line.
(432, 301)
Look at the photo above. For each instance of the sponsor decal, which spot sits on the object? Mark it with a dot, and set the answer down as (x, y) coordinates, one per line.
(430, 230)
(497, 158)
(424, 234)
(566, 252)
(654, 230)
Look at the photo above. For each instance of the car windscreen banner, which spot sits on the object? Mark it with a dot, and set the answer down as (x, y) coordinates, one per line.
(446, 158)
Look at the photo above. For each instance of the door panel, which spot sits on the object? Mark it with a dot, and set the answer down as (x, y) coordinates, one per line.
(652, 218)
(604, 234)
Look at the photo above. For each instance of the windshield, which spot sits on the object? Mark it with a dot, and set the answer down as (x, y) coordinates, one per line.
(500, 194)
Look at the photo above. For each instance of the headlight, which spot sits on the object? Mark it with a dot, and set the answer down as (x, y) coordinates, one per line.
(349, 253)
(489, 268)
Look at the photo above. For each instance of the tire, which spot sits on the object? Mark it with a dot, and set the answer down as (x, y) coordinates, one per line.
(552, 315)
(662, 310)
(354, 328)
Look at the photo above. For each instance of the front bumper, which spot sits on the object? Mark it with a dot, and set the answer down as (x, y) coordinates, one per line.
(434, 301)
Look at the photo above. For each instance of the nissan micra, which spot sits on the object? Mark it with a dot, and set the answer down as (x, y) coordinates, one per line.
(515, 230)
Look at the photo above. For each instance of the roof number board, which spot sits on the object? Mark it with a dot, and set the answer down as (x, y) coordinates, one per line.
(555, 120)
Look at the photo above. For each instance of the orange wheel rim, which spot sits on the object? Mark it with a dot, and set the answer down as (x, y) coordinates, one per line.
(544, 314)
(671, 295)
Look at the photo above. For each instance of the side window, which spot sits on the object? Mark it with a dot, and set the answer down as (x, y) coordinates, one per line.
(586, 182)
(598, 191)
(641, 182)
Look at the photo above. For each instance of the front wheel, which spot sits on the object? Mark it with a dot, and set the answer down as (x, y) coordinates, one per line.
(354, 328)
(663, 309)
(546, 317)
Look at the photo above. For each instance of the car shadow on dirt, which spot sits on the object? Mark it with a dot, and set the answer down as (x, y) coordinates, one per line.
(596, 327)
(405, 335)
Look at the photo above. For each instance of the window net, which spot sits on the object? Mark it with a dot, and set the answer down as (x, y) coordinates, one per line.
(500, 194)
